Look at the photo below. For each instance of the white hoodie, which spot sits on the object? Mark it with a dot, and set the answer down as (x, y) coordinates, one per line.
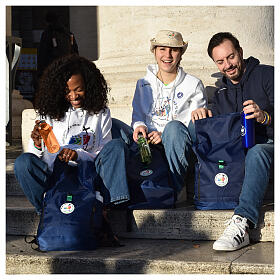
(79, 131)
(155, 104)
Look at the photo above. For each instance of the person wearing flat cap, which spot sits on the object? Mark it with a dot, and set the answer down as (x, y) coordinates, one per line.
(163, 102)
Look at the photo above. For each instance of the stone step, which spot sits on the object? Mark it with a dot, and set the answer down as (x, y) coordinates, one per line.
(141, 257)
(12, 185)
(183, 222)
(121, 112)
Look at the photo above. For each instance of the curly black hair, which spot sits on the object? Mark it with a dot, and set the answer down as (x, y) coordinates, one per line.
(50, 98)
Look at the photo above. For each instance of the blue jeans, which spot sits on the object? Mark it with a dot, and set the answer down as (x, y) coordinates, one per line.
(177, 140)
(257, 170)
(121, 130)
(110, 164)
(32, 173)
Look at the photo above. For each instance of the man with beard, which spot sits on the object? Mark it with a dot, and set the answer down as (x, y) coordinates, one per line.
(247, 86)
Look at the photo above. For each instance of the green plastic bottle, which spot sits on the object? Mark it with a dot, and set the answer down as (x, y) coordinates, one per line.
(144, 149)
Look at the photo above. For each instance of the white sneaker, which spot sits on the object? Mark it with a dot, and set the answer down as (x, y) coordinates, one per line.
(235, 235)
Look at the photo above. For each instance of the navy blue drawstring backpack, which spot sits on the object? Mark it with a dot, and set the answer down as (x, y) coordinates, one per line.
(72, 215)
(149, 185)
(219, 172)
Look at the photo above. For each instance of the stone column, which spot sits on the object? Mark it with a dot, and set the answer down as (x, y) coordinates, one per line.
(18, 104)
(8, 21)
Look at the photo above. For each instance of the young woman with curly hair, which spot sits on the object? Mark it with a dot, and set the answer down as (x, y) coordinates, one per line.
(72, 98)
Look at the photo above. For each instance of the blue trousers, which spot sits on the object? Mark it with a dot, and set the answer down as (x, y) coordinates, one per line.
(32, 173)
(258, 162)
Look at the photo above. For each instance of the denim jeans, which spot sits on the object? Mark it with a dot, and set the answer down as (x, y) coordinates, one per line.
(177, 140)
(110, 164)
(257, 170)
(32, 173)
(121, 130)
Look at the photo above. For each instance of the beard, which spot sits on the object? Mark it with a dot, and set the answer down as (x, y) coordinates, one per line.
(236, 76)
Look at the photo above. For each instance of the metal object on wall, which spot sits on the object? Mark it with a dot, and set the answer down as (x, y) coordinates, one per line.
(13, 47)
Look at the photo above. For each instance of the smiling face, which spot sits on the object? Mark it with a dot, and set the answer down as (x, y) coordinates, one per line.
(229, 60)
(168, 58)
(75, 91)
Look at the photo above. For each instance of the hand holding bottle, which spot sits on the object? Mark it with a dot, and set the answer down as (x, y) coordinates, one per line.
(48, 136)
(252, 110)
(139, 129)
(35, 135)
(144, 149)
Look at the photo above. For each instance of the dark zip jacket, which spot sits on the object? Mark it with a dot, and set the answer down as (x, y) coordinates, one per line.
(257, 84)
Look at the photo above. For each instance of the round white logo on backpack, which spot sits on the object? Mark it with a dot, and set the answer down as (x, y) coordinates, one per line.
(243, 130)
(221, 179)
(146, 172)
(67, 208)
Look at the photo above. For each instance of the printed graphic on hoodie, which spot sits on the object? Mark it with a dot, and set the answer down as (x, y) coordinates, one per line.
(83, 139)
(162, 108)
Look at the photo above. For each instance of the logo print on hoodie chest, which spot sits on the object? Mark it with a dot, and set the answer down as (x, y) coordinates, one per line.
(164, 108)
(180, 94)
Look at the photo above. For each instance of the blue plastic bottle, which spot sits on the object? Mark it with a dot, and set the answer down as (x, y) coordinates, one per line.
(247, 131)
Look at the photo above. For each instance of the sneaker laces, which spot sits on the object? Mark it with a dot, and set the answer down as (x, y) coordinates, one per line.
(234, 227)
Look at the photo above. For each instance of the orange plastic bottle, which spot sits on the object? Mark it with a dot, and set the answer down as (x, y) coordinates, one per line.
(49, 138)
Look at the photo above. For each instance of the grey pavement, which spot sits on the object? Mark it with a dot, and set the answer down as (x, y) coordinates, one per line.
(142, 256)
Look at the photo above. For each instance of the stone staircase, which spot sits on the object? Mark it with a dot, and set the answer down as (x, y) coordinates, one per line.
(173, 241)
